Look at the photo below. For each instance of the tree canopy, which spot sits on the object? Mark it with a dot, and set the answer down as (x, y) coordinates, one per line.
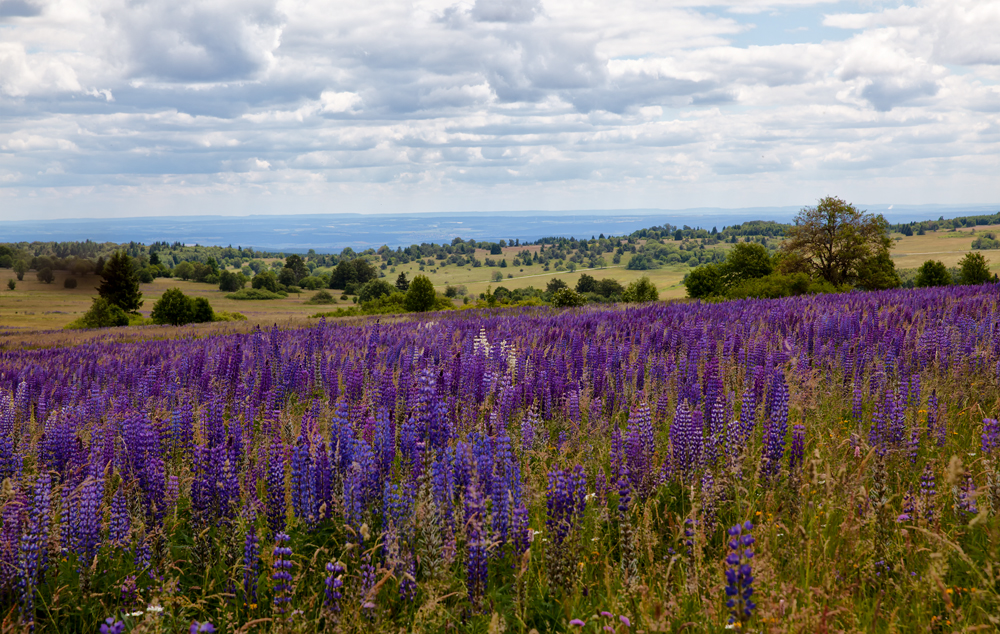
(420, 297)
(836, 241)
(974, 269)
(121, 284)
(933, 273)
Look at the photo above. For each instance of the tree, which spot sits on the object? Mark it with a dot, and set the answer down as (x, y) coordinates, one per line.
(586, 284)
(932, 273)
(287, 277)
(375, 289)
(420, 297)
(184, 270)
(609, 287)
(20, 268)
(231, 282)
(554, 285)
(121, 284)
(878, 273)
(705, 281)
(567, 298)
(265, 280)
(297, 266)
(174, 308)
(103, 314)
(747, 260)
(974, 269)
(835, 240)
(402, 284)
(641, 290)
(11, 284)
(201, 310)
(69, 282)
(46, 275)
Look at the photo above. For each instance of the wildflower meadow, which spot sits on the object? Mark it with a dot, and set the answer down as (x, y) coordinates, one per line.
(825, 463)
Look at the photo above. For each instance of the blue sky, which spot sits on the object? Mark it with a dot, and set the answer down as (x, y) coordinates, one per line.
(171, 107)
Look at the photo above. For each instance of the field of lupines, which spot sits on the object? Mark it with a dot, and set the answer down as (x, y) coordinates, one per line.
(814, 464)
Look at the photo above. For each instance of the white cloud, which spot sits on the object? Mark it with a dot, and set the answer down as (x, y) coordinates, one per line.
(440, 104)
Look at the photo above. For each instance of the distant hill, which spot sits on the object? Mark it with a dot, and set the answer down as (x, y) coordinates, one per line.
(329, 233)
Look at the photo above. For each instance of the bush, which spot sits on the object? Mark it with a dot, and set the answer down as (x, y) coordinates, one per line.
(641, 290)
(974, 269)
(322, 297)
(102, 314)
(375, 289)
(46, 275)
(173, 308)
(223, 315)
(420, 297)
(932, 273)
(567, 298)
(11, 284)
(265, 280)
(69, 282)
(201, 311)
(312, 282)
(778, 285)
(704, 281)
(256, 293)
(231, 282)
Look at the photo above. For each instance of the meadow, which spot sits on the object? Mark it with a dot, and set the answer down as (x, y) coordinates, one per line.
(35, 306)
(823, 464)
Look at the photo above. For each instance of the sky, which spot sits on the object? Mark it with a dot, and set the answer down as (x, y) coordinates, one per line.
(114, 108)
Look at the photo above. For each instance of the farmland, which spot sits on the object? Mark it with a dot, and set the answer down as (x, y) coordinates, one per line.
(827, 463)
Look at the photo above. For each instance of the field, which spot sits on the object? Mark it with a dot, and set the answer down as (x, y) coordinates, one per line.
(824, 463)
(37, 306)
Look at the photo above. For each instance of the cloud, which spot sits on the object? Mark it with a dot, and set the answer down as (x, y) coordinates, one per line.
(440, 104)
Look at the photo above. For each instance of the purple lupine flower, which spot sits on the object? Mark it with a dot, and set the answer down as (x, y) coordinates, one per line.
(121, 522)
(282, 576)
(798, 449)
(777, 428)
(201, 628)
(990, 435)
(640, 447)
(685, 440)
(275, 485)
(33, 552)
(303, 483)
(111, 626)
(251, 561)
(476, 543)
(966, 502)
(928, 492)
(87, 529)
(739, 577)
(334, 583)
(528, 426)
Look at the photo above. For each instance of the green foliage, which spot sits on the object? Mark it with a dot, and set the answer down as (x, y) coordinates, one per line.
(420, 297)
(609, 288)
(297, 266)
(231, 282)
(835, 240)
(321, 297)
(201, 310)
(375, 289)
(986, 241)
(256, 293)
(266, 281)
(69, 282)
(567, 298)
(586, 284)
(173, 308)
(357, 271)
(641, 262)
(102, 314)
(554, 285)
(779, 285)
(313, 282)
(11, 284)
(641, 290)
(705, 281)
(46, 275)
(20, 268)
(746, 260)
(223, 315)
(878, 273)
(402, 284)
(974, 269)
(121, 284)
(933, 273)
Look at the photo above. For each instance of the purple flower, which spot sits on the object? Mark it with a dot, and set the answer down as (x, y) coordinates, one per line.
(111, 626)
(202, 628)
(739, 579)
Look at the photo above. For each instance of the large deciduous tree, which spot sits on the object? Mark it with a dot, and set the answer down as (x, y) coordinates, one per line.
(121, 283)
(841, 244)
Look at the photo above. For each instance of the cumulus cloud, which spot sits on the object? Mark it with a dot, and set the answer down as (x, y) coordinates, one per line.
(526, 103)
